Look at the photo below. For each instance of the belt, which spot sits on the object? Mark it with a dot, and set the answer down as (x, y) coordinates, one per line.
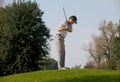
(61, 36)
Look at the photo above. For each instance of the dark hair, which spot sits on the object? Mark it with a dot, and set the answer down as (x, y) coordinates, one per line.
(74, 18)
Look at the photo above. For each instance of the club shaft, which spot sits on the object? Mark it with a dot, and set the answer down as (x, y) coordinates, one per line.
(64, 13)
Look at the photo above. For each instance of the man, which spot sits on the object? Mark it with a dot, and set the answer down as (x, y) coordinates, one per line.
(63, 30)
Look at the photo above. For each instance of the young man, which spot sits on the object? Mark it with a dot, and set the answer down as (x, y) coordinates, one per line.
(63, 30)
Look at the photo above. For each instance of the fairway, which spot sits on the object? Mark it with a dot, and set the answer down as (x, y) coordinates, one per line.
(74, 75)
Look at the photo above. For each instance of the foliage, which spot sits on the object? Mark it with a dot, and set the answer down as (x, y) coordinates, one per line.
(51, 64)
(24, 38)
(90, 65)
(116, 50)
(76, 67)
(101, 46)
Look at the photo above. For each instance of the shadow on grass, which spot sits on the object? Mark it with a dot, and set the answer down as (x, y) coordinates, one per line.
(90, 79)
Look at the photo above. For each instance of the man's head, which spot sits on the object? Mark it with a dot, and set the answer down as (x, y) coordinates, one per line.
(73, 19)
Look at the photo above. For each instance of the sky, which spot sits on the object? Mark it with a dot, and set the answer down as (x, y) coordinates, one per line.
(90, 13)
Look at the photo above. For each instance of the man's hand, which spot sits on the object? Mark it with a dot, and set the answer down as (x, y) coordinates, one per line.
(65, 28)
(69, 29)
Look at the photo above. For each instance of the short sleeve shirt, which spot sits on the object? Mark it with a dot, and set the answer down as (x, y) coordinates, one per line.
(64, 33)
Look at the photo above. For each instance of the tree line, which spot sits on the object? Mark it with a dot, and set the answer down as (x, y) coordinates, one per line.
(104, 49)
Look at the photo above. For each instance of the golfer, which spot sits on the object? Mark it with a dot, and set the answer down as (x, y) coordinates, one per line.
(63, 30)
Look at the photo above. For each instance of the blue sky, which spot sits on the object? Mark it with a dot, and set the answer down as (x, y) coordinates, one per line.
(90, 14)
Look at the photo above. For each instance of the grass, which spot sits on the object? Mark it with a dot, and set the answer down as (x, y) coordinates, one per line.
(74, 75)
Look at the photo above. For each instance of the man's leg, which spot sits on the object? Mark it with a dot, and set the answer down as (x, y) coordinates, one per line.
(63, 54)
(60, 51)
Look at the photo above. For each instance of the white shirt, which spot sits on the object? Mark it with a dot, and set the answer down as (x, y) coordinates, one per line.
(64, 33)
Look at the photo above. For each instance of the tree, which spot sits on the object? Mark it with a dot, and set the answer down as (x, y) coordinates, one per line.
(100, 47)
(51, 64)
(4, 43)
(76, 67)
(109, 32)
(96, 50)
(25, 40)
(90, 65)
(116, 50)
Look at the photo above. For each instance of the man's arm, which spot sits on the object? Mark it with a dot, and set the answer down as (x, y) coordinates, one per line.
(64, 28)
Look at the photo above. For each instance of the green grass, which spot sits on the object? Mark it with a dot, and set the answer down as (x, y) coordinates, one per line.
(76, 75)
